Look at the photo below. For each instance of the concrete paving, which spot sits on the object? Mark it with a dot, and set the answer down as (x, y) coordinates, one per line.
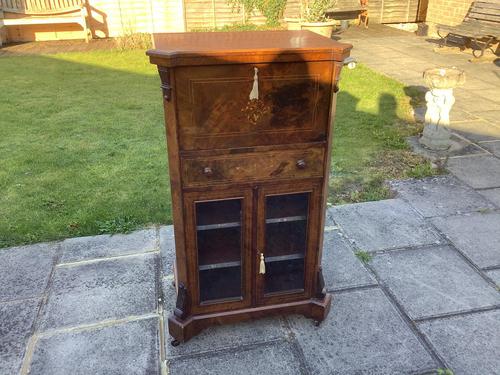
(92, 292)
(467, 341)
(429, 298)
(440, 195)
(341, 268)
(384, 225)
(476, 235)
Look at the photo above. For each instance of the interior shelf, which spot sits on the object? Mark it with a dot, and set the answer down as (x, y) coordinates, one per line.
(217, 247)
(285, 238)
(218, 226)
(218, 213)
(236, 224)
(220, 284)
(286, 219)
(285, 276)
(282, 258)
(286, 205)
(215, 266)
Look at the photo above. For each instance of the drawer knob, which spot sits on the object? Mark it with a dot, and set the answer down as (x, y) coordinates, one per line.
(207, 171)
(301, 163)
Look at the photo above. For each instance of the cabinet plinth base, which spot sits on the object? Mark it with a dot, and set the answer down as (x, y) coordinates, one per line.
(183, 330)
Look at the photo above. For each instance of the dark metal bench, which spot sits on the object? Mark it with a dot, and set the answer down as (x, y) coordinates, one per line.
(358, 8)
(481, 26)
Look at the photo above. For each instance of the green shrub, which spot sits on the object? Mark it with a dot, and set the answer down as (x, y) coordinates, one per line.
(272, 10)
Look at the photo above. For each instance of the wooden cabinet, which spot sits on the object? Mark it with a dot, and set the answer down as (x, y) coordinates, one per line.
(249, 128)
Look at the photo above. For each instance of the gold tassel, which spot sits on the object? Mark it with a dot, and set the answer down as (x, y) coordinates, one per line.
(262, 268)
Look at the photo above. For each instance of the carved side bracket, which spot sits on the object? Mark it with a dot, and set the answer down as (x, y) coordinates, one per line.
(320, 285)
(180, 310)
(165, 83)
(338, 70)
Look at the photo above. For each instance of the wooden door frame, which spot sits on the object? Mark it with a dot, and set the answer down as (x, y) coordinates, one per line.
(190, 200)
(312, 240)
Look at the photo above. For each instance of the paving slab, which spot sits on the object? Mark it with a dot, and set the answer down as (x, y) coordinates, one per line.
(493, 195)
(492, 116)
(495, 276)
(127, 348)
(221, 337)
(480, 106)
(476, 131)
(469, 344)
(440, 196)
(363, 334)
(476, 235)
(16, 320)
(106, 245)
(433, 281)
(341, 268)
(271, 358)
(25, 270)
(493, 147)
(381, 225)
(480, 172)
(460, 146)
(167, 249)
(103, 290)
(491, 94)
(460, 115)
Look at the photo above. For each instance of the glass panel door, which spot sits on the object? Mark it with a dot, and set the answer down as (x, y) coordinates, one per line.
(219, 248)
(285, 243)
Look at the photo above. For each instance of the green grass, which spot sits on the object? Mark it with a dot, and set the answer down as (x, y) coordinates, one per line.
(372, 121)
(363, 256)
(82, 144)
(444, 371)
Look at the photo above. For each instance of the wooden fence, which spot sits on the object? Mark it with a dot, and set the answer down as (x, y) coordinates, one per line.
(111, 18)
(202, 14)
(396, 11)
(216, 13)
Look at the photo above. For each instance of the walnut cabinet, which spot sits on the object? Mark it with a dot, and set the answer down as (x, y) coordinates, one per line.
(249, 122)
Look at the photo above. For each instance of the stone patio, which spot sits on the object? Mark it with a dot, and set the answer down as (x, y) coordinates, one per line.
(426, 300)
(429, 298)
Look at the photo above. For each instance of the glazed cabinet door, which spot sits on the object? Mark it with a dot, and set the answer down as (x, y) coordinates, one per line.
(287, 240)
(218, 240)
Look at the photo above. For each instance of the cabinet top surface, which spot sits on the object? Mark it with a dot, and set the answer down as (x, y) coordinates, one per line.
(209, 48)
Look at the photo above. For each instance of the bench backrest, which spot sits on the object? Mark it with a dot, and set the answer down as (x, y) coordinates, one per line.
(484, 11)
(40, 7)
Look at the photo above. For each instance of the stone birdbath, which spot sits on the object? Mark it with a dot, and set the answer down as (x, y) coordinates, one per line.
(441, 81)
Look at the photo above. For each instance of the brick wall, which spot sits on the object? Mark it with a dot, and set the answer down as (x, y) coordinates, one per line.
(447, 12)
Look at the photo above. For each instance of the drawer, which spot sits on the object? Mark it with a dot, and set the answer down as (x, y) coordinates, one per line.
(254, 166)
(246, 105)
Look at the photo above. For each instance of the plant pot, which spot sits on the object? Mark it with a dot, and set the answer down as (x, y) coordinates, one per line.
(292, 23)
(321, 28)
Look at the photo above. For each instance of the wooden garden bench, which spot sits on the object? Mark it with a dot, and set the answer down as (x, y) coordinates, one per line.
(481, 26)
(348, 8)
(43, 12)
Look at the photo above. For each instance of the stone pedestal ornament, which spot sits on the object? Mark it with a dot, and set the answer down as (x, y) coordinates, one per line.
(441, 81)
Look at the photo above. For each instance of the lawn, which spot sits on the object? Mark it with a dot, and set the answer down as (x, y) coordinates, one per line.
(82, 147)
